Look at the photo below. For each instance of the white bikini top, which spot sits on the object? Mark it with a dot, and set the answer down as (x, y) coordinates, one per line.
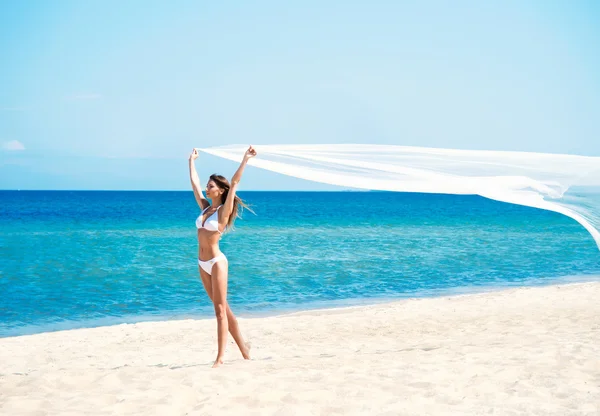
(211, 223)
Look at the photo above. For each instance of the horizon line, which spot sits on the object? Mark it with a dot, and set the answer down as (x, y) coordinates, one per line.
(184, 190)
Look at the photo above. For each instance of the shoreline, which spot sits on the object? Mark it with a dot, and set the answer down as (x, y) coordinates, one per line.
(312, 307)
(317, 306)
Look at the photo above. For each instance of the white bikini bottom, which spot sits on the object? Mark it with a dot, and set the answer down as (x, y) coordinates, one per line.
(208, 264)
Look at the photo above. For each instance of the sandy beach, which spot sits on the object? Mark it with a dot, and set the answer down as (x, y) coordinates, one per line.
(526, 351)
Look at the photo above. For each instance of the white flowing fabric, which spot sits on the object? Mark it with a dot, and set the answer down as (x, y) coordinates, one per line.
(537, 180)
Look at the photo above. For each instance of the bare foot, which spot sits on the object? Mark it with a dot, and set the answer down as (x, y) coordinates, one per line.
(217, 363)
(246, 351)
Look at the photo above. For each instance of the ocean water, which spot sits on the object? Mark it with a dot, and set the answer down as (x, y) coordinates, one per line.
(82, 259)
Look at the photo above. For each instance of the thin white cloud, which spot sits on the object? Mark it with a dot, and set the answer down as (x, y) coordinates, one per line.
(13, 146)
(14, 109)
(84, 97)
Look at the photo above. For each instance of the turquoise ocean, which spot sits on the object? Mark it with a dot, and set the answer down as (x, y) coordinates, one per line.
(71, 259)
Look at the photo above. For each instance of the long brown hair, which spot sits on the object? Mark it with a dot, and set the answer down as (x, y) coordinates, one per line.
(223, 183)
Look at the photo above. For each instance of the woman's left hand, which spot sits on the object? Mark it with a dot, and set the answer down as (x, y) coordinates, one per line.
(250, 153)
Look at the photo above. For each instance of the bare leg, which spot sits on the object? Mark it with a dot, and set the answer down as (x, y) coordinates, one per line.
(219, 296)
(234, 328)
(235, 332)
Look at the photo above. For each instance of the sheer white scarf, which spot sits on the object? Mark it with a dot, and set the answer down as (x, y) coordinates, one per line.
(567, 184)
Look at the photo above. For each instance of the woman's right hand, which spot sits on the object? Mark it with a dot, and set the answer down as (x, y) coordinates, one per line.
(194, 154)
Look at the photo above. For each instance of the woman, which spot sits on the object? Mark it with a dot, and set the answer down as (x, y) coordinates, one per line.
(216, 217)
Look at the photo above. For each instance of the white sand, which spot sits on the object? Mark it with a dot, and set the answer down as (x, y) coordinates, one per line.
(523, 351)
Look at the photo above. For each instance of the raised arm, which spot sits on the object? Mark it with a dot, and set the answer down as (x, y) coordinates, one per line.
(202, 202)
(237, 176)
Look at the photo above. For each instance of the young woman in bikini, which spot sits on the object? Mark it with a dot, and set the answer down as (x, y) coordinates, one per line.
(217, 216)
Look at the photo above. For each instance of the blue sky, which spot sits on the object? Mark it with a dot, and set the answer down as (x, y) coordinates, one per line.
(113, 95)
